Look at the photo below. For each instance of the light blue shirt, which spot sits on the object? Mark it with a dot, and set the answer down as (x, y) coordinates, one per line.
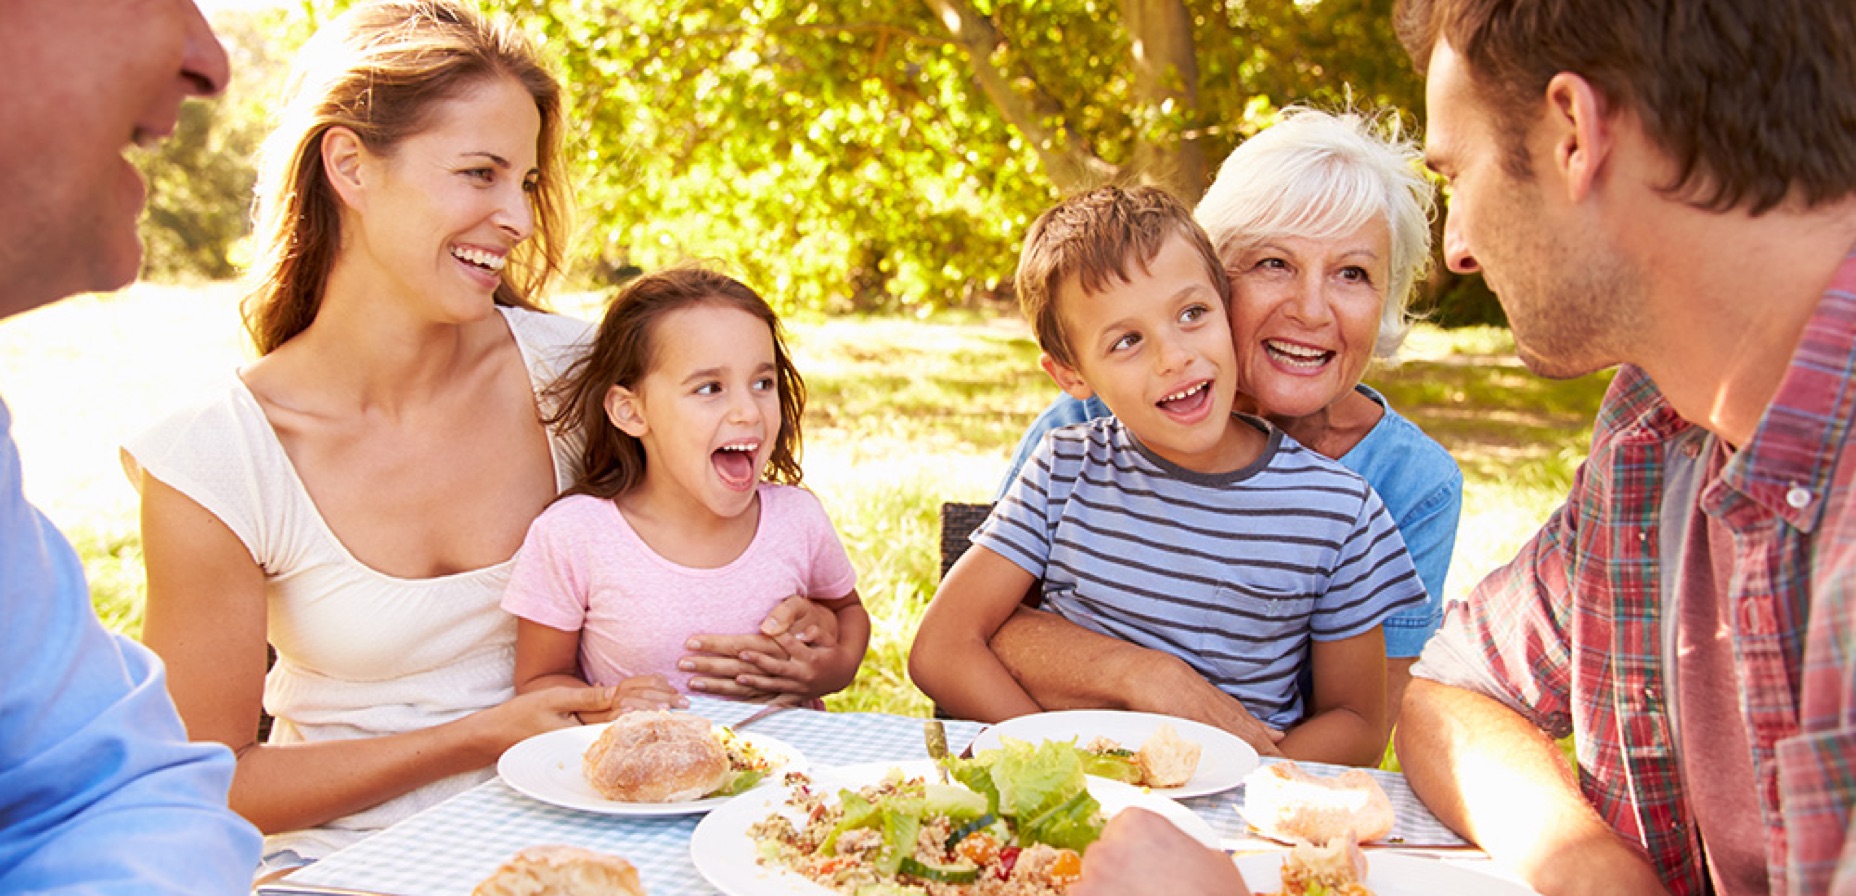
(100, 792)
(1418, 481)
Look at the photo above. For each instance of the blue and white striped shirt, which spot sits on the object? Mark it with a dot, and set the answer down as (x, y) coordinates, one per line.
(1233, 573)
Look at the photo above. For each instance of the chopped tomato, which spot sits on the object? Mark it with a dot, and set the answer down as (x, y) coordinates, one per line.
(1007, 858)
(834, 864)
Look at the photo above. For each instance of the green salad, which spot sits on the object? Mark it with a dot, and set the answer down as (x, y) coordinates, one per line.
(1008, 822)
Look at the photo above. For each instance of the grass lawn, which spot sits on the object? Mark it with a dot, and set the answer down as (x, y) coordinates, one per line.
(903, 414)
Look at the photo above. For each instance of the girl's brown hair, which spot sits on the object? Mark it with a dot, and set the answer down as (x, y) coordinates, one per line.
(379, 70)
(625, 350)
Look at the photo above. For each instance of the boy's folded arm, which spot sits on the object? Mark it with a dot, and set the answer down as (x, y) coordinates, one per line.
(1348, 722)
(950, 660)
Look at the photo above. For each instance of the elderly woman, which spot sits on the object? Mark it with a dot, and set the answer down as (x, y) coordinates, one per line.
(1324, 228)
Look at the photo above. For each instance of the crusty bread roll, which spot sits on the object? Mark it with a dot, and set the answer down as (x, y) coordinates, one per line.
(1336, 867)
(562, 871)
(1284, 802)
(1166, 759)
(656, 757)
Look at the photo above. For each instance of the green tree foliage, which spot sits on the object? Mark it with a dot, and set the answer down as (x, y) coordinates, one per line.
(884, 154)
(200, 179)
(879, 155)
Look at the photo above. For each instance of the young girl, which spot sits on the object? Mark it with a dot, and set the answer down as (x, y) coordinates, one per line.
(687, 396)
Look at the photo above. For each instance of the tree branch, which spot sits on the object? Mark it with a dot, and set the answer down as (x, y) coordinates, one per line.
(1069, 162)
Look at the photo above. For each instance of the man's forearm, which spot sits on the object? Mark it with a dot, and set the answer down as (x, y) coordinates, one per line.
(1497, 779)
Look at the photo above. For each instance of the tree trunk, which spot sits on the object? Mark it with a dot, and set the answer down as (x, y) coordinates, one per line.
(1166, 91)
(1067, 158)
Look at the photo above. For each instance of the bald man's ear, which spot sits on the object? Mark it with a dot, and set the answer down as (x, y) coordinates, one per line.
(1582, 132)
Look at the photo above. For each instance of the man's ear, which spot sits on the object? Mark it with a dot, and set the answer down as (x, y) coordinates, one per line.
(1582, 132)
(626, 411)
(343, 156)
(1066, 377)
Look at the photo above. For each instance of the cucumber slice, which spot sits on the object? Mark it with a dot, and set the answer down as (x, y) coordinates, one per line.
(972, 827)
(961, 873)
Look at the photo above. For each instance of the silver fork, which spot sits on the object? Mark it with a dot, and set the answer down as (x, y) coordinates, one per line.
(763, 712)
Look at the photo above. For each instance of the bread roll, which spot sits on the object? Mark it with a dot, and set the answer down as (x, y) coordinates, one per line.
(656, 757)
(1166, 759)
(1337, 867)
(1286, 803)
(562, 871)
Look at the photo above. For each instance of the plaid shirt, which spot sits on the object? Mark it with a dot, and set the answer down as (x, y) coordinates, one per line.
(1570, 634)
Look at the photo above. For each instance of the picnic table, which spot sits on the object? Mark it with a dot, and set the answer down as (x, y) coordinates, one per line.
(447, 849)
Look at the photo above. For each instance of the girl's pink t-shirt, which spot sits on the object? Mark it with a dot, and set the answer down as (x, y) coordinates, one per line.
(583, 568)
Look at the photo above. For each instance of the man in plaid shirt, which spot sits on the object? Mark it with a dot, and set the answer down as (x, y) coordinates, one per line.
(1670, 187)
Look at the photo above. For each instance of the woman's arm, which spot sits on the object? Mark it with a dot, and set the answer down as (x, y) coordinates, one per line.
(547, 657)
(206, 619)
(1065, 666)
(810, 668)
(1347, 724)
(737, 666)
(951, 659)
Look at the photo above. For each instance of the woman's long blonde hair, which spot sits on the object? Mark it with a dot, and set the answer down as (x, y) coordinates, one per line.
(379, 70)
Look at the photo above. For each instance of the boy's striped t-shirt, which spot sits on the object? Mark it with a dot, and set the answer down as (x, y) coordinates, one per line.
(1233, 573)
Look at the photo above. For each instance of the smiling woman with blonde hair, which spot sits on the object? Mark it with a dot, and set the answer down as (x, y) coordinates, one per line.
(353, 497)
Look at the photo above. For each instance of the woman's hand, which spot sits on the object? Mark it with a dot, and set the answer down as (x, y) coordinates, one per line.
(526, 715)
(639, 692)
(1170, 687)
(1140, 852)
(783, 659)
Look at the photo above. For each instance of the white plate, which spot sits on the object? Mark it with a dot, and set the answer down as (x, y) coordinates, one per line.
(1392, 874)
(547, 767)
(1224, 758)
(726, 856)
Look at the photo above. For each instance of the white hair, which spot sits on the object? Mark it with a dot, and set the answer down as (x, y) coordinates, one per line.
(1322, 175)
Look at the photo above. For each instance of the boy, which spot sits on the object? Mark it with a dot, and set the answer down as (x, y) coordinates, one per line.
(1174, 524)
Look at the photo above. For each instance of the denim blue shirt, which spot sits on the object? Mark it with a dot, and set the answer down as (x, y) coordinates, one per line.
(100, 792)
(1416, 478)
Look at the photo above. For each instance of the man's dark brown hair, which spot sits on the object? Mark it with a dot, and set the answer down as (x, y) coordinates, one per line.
(1754, 100)
(1097, 238)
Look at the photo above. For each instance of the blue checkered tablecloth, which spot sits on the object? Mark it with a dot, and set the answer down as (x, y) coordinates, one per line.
(447, 849)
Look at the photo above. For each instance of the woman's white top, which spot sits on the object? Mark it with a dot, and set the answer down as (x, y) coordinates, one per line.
(359, 653)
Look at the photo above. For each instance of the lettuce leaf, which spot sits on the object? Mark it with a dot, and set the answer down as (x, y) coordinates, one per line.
(857, 813)
(1041, 788)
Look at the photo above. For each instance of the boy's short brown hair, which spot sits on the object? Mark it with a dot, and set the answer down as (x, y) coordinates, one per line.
(1093, 236)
